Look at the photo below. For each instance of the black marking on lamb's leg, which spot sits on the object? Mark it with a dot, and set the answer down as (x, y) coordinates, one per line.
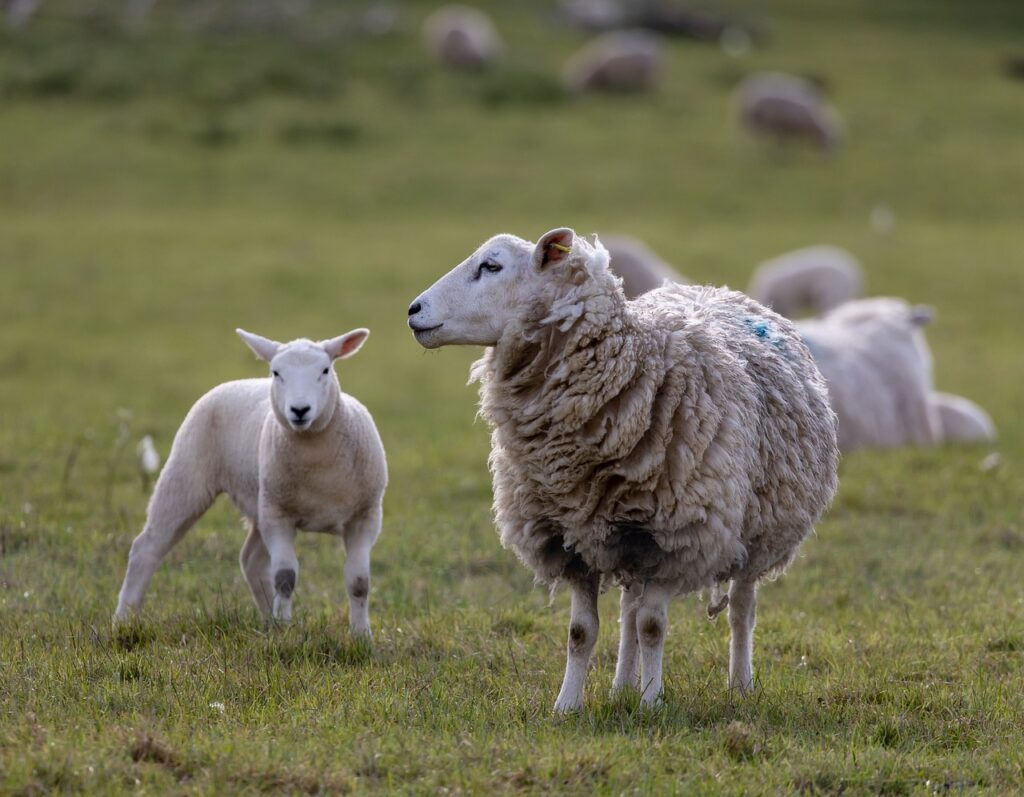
(284, 582)
(360, 588)
(651, 629)
(577, 637)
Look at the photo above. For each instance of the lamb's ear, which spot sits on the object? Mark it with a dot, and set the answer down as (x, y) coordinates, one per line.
(921, 314)
(346, 345)
(264, 348)
(553, 248)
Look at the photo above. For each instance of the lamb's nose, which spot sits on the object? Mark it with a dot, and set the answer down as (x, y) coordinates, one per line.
(300, 412)
(415, 307)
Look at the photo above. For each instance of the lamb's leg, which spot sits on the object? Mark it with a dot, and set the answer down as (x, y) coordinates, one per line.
(651, 627)
(742, 614)
(627, 674)
(179, 500)
(360, 535)
(279, 537)
(583, 627)
(255, 562)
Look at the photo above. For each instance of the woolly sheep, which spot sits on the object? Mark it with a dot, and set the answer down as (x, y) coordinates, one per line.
(666, 445)
(810, 280)
(461, 37)
(876, 362)
(961, 420)
(639, 268)
(779, 106)
(627, 61)
(292, 452)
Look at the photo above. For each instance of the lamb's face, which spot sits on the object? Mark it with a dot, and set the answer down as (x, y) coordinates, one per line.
(475, 302)
(304, 390)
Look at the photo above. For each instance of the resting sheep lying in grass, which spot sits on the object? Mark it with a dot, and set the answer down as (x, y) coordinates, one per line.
(639, 268)
(667, 445)
(462, 37)
(782, 107)
(808, 281)
(961, 420)
(292, 452)
(624, 61)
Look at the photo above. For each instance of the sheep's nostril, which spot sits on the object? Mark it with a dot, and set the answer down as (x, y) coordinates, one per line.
(300, 412)
(415, 307)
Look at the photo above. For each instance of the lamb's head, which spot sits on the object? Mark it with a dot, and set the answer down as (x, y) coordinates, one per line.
(506, 282)
(304, 388)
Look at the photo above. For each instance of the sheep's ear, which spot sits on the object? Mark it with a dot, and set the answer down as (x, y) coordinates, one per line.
(921, 314)
(553, 248)
(264, 348)
(346, 345)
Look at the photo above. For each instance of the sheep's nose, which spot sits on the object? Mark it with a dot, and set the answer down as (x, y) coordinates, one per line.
(415, 307)
(300, 412)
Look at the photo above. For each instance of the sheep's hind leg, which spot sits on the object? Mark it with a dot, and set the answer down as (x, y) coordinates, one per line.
(742, 616)
(651, 627)
(583, 628)
(255, 562)
(627, 673)
(180, 499)
(360, 535)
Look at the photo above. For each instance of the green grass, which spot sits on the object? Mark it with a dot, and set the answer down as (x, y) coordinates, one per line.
(156, 193)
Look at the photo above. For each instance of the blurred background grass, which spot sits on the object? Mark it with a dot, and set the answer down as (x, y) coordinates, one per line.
(298, 176)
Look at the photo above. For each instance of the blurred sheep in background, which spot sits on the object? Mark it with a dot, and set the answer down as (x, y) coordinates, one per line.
(640, 269)
(962, 420)
(463, 38)
(623, 61)
(808, 281)
(781, 107)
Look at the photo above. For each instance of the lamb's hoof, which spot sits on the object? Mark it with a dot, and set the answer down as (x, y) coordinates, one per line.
(361, 633)
(652, 701)
(565, 706)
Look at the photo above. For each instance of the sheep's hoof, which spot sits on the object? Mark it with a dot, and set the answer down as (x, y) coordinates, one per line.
(651, 701)
(564, 706)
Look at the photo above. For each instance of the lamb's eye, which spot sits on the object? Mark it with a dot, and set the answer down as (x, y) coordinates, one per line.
(276, 374)
(325, 371)
(488, 267)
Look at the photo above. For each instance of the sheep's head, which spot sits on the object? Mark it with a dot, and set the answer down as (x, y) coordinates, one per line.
(304, 388)
(503, 282)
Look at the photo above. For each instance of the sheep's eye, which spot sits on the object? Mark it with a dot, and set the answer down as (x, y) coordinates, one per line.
(275, 373)
(326, 370)
(489, 267)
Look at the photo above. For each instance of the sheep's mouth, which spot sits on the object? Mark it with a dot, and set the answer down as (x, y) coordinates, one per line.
(299, 423)
(423, 330)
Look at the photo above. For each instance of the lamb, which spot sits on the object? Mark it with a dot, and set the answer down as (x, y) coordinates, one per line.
(462, 38)
(810, 280)
(639, 268)
(292, 452)
(623, 61)
(961, 420)
(666, 445)
(780, 106)
(876, 362)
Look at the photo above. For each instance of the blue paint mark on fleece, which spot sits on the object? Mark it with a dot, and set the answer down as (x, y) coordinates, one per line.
(763, 330)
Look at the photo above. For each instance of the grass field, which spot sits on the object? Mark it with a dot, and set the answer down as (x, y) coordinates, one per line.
(156, 193)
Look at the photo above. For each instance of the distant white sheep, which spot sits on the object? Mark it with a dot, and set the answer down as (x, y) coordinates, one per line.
(462, 37)
(876, 362)
(639, 267)
(963, 421)
(666, 445)
(805, 281)
(293, 453)
(623, 61)
(785, 107)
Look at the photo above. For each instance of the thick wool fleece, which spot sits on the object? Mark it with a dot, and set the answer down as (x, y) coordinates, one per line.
(685, 437)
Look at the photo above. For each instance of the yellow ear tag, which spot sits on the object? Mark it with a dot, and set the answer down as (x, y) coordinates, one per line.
(561, 248)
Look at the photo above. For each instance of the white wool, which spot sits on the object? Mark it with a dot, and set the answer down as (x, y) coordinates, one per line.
(808, 281)
(666, 444)
(639, 268)
(780, 106)
(292, 452)
(876, 362)
(627, 61)
(961, 420)
(462, 37)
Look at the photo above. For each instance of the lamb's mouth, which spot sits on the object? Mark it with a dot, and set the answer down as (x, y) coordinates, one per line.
(423, 333)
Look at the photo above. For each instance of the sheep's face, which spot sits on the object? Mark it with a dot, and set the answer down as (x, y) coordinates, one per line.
(493, 289)
(304, 388)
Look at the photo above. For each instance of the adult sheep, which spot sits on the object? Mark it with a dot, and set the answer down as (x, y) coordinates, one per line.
(961, 420)
(878, 367)
(784, 107)
(811, 280)
(462, 37)
(292, 452)
(640, 269)
(667, 445)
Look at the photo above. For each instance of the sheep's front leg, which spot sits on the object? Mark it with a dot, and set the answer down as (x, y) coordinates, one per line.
(627, 674)
(583, 627)
(279, 538)
(742, 616)
(651, 627)
(360, 535)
